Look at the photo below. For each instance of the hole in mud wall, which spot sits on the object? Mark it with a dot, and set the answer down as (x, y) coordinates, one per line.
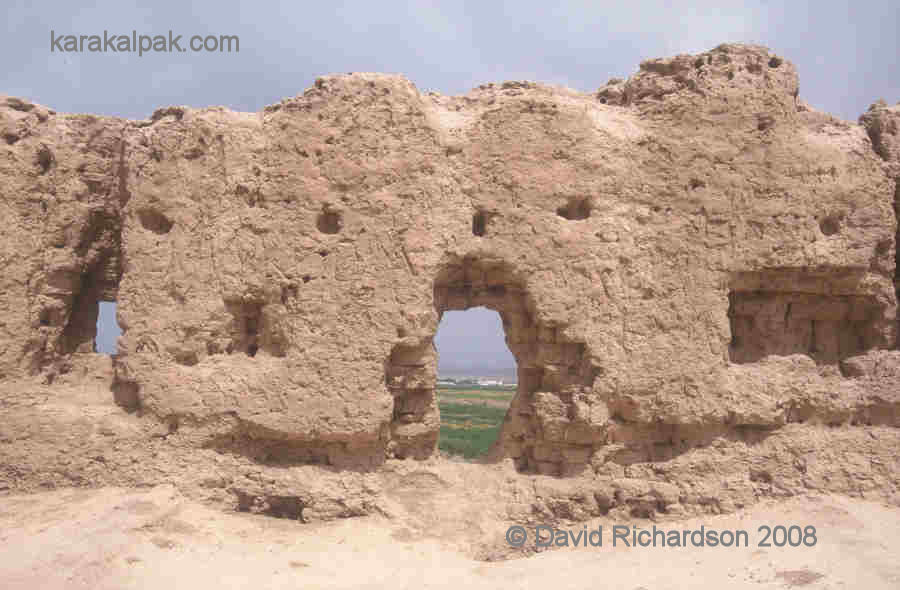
(96, 288)
(107, 329)
(44, 158)
(254, 329)
(543, 431)
(830, 225)
(153, 220)
(329, 221)
(71, 322)
(575, 210)
(476, 381)
(125, 395)
(826, 328)
(479, 223)
(290, 507)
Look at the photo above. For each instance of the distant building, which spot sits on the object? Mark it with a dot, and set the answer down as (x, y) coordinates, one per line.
(476, 381)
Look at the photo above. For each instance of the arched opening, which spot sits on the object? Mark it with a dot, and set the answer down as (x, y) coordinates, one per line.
(476, 381)
(554, 422)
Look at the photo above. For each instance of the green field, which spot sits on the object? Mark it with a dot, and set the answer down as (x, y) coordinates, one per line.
(471, 418)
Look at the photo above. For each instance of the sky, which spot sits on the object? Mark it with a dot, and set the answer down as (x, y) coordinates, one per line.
(108, 330)
(471, 343)
(846, 52)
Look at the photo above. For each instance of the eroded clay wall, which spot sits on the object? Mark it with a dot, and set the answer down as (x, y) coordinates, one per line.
(670, 257)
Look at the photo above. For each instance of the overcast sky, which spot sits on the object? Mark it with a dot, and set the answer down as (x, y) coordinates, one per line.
(846, 52)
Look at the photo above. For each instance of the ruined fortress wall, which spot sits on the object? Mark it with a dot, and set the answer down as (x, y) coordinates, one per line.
(688, 254)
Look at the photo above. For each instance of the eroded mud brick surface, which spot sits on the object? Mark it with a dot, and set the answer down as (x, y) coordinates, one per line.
(695, 270)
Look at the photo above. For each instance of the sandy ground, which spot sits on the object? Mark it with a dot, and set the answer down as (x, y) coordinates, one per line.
(117, 538)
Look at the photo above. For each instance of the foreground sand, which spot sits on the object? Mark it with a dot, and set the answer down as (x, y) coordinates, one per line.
(117, 538)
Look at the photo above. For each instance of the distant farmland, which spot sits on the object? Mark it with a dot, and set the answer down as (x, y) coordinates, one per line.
(471, 416)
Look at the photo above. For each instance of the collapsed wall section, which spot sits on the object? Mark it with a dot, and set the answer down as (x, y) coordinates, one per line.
(826, 328)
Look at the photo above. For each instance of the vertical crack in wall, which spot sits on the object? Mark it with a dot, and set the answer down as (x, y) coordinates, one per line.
(69, 308)
(100, 250)
(897, 253)
(85, 259)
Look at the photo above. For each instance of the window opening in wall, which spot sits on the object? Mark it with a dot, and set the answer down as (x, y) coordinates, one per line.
(108, 330)
(476, 381)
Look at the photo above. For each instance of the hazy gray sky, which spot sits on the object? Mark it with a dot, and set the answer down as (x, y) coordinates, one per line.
(846, 52)
(107, 328)
(472, 342)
